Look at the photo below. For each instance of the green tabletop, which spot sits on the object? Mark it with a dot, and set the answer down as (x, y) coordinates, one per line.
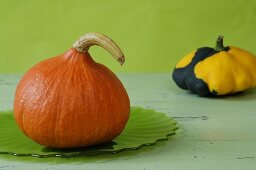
(215, 133)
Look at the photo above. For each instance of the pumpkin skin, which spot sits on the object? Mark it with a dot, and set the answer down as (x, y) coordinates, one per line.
(208, 71)
(71, 101)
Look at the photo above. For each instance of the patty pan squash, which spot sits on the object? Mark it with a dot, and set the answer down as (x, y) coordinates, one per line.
(218, 71)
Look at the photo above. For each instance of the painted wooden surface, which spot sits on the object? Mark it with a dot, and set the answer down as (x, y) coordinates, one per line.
(215, 133)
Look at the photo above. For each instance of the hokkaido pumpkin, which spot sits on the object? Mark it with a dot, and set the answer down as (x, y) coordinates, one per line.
(71, 101)
(218, 71)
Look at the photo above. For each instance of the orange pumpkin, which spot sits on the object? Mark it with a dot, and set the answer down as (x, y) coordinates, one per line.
(71, 101)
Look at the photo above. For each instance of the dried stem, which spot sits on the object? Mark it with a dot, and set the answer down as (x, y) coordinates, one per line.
(90, 39)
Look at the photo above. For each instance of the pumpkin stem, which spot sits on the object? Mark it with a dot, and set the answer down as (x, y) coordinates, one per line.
(219, 44)
(85, 42)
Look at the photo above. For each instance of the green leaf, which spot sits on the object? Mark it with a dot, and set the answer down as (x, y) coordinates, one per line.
(145, 127)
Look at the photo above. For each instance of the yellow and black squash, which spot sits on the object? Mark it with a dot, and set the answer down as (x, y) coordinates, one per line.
(219, 71)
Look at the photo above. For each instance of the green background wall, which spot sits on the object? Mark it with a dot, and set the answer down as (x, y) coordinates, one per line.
(153, 34)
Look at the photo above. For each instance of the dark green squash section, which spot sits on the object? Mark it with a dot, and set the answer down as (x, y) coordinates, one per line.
(185, 77)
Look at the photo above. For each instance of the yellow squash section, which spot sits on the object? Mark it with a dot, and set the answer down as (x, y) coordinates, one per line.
(228, 72)
(185, 60)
